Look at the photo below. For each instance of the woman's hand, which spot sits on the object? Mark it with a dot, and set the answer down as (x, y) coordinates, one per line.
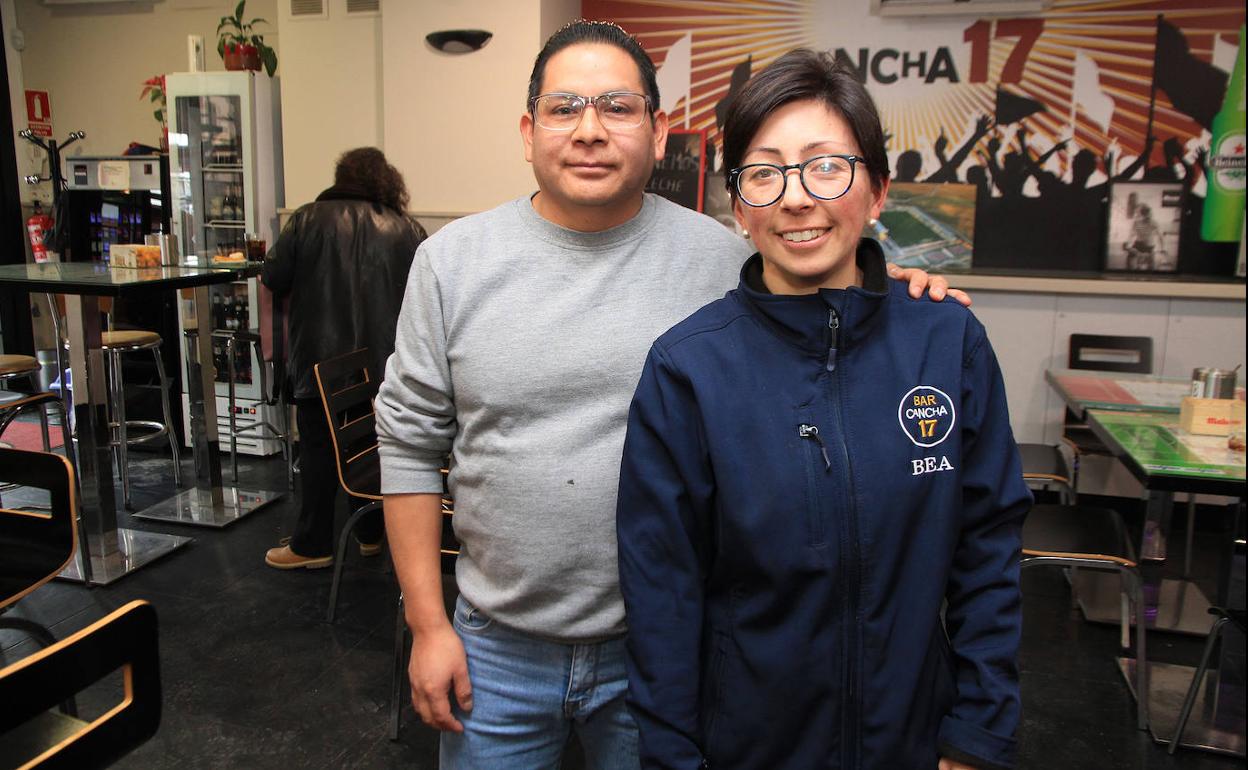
(936, 285)
(953, 764)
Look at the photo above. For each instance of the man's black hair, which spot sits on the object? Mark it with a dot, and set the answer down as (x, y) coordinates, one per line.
(604, 32)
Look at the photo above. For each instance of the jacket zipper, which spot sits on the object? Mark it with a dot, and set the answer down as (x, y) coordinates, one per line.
(834, 329)
(812, 432)
(850, 562)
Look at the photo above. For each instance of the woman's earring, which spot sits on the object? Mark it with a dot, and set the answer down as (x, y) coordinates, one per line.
(745, 234)
(873, 221)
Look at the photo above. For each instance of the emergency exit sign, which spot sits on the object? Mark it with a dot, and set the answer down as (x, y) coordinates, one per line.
(39, 113)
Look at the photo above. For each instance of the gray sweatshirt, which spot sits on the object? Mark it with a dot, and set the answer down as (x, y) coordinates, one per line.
(518, 349)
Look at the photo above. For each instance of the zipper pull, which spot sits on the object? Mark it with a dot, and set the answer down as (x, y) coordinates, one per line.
(812, 432)
(834, 328)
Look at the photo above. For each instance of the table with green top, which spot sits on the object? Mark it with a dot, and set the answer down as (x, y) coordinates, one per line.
(1165, 460)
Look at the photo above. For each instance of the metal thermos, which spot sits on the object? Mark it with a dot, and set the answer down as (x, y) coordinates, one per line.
(1209, 382)
(1220, 383)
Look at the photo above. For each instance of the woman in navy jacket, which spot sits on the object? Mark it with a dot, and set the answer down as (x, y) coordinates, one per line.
(814, 465)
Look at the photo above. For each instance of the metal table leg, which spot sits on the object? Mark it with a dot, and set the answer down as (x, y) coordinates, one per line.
(1176, 606)
(107, 552)
(211, 503)
(1217, 722)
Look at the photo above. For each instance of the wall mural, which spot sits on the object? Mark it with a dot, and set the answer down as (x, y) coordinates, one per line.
(1041, 115)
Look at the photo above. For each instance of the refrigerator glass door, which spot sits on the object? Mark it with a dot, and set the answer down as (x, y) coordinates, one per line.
(210, 207)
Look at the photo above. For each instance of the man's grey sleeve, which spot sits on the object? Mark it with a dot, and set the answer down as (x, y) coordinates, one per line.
(416, 404)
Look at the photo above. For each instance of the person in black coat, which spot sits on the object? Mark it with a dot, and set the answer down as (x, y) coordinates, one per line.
(342, 263)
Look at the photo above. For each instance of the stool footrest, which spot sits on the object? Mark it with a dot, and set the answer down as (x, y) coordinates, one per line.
(158, 430)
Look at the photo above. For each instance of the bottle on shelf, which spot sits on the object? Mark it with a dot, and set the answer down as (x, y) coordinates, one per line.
(1223, 216)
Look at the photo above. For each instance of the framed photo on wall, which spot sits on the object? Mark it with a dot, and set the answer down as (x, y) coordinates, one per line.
(927, 225)
(682, 172)
(1143, 230)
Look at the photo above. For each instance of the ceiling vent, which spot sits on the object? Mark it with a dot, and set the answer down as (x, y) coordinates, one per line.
(363, 6)
(302, 9)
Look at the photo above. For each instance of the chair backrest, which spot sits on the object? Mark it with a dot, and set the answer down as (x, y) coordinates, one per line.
(1111, 353)
(347, 390)
(35, 545)
(33, 737)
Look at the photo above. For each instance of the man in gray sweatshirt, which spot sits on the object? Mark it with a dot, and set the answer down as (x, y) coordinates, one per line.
(520, 342)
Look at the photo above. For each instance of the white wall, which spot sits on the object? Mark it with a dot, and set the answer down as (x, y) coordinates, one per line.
(331, 79)
(93, 59)
(452, 120)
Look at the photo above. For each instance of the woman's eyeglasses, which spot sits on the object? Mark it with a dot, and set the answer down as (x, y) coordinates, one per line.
(826, 177)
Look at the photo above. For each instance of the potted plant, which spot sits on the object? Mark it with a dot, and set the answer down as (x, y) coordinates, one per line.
(154, 91)
(240, 46)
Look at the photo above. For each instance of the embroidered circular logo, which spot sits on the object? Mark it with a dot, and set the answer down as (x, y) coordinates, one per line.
(926, 415)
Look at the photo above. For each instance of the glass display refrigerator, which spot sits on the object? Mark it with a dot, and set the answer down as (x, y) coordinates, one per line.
(225, 163)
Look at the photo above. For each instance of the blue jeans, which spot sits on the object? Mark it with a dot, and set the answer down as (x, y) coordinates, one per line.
(529, 695)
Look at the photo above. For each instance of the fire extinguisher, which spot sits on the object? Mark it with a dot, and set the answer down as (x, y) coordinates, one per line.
(39, 225)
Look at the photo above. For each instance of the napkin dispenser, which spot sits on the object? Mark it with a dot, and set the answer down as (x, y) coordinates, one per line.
(1211, 416)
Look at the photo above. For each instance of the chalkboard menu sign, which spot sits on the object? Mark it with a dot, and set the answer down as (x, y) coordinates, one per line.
(680, 175)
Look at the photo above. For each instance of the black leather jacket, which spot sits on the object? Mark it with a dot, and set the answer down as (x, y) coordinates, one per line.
(342, 261)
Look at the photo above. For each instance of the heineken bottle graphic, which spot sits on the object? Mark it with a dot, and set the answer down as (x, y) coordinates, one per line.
(1224, 196)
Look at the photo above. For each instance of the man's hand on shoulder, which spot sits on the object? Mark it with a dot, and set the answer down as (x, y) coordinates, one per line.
(953, 764)
(936, 285)
(438, 665)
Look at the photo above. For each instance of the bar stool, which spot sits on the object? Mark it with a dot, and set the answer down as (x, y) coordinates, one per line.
(114, 344)
(274, 396)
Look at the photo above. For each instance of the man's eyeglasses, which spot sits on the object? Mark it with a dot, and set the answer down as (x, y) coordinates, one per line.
(562, 112)
(825, 177)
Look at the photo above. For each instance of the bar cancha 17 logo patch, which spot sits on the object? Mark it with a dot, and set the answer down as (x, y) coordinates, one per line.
(927, 416)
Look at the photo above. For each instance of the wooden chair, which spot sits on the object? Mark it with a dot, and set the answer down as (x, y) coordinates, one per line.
(35, 545)
(1048, 464)
(32, 735)
(347, 389)
(1106, 353)
(1093, 538)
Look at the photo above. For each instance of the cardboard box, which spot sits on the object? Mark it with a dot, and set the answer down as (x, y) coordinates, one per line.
(134, 255)
(1211, 416)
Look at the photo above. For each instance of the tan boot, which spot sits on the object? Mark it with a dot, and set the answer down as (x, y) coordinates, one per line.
(284, 558)
(368, 549)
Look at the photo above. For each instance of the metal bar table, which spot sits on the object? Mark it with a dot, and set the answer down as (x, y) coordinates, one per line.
(1166, 460)
(1175, 605)
(108, 552)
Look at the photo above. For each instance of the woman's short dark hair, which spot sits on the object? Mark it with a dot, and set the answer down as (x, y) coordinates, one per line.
(798, 75)
(605, 32)
(367, 168)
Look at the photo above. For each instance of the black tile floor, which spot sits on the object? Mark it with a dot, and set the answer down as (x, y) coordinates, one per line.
(254, 677)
